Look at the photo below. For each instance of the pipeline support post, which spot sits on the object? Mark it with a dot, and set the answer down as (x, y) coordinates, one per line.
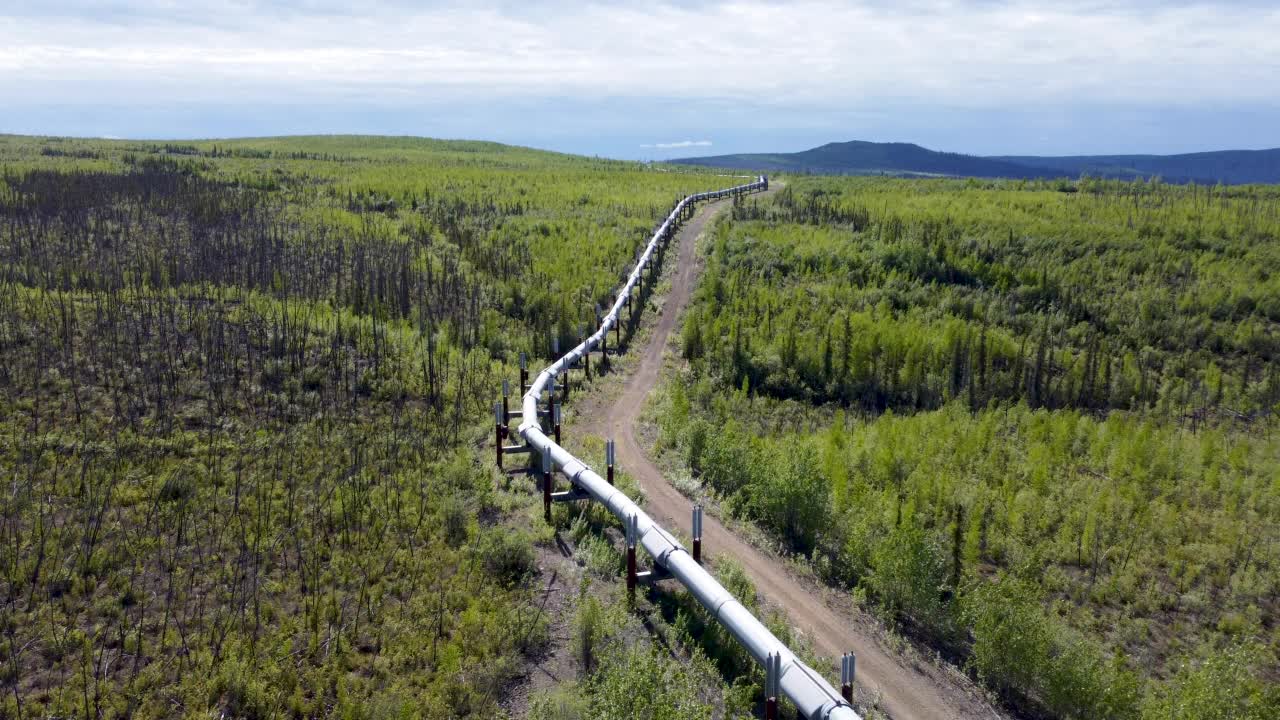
(697, 534)
(604, 339)
(772, 684)
(564, 383)
(632, 532)
(551, 403)
(556, 419)
(847, 666)
(609, 459)
(547, 477)
(498, 431)
(524, 374)
(506, 409)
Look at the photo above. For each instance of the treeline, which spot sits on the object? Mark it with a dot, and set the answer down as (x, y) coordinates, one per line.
(216, 151)
(914, 313)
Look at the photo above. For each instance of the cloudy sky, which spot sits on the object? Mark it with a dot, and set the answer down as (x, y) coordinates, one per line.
(655, 80)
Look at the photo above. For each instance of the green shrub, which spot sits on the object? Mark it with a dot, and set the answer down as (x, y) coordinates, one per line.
(508, 556)
(1226, 685)
(244, 693)
(636, 683)
(909, 575)
(599, 556)
(1011, 638)
(566, 702)
(695, 441)
(455, 521)
(1021, 650)
(791, 496)
(1082, 682)
(588, 628)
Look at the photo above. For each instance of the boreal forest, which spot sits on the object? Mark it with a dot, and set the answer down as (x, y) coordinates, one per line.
(245, 390)
(1029, 424)
(246, 427)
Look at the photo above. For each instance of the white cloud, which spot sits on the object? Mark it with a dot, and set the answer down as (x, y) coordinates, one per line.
(842, 55)
(679, 144)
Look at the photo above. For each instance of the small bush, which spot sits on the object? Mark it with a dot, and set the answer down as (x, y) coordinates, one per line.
(1224, 686)
(588, 630)
(563, 703)
(908, 574)
(641, 684)
(1020, 650)
(508, 556)
(177, 487)
(599, 556)
(455, 521)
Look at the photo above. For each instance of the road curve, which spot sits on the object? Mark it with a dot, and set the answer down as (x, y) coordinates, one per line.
(906, 692)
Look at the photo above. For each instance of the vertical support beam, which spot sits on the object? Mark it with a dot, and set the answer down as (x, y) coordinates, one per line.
(506, 410)
(772, 669)
(609, 454)
(524, 374)
(777, 676)
(498, 431)
(847, 666)
(551, 403)
(604, 339)
(555, 417)
(585, 360)
(697, 534)
(546, 486)
(632, 531)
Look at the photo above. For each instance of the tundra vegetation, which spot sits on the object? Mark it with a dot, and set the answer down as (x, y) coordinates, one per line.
(1031, 423)
(242, 386)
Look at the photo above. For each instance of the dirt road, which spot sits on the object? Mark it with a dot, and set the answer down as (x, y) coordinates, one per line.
(908, 690)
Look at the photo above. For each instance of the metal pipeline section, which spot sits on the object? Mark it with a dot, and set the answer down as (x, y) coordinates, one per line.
(812, 695)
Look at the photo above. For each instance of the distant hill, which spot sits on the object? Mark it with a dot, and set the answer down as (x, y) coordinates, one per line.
(907, 159)
(1233, 167)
